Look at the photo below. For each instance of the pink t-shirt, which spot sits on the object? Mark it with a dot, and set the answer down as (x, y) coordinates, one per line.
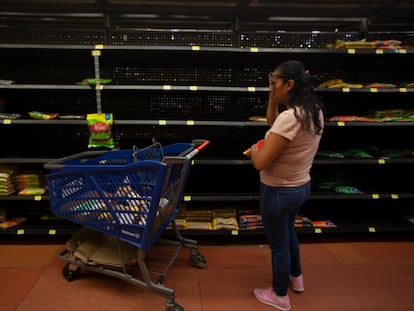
(291, 168)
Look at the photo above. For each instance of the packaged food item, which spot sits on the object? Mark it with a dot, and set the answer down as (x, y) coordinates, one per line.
(32, 191)
(12, 116)
(92, 81)
(43, 115)
(259, 145)
(100, 128)
(12, 222)
(348, 190)
(258, 118)
(6, 82)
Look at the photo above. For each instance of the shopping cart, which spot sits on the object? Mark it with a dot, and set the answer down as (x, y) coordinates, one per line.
(124, 200)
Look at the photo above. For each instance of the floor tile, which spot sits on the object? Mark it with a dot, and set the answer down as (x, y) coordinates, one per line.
(27, 255)
(356, 276)
(15, 283)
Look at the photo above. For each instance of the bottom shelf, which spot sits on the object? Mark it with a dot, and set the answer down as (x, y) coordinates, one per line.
(62, 230)
(342, 228)
(44, 230)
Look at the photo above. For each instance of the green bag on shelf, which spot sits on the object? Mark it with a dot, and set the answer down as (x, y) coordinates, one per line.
(100, 128)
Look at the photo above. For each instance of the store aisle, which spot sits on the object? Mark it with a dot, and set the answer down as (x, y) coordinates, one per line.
(346, 276)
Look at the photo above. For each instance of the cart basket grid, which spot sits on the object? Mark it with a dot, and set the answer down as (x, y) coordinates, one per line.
(130, 194)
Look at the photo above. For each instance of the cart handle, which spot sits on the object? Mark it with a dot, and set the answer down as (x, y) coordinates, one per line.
(57, 164)
(200, 145)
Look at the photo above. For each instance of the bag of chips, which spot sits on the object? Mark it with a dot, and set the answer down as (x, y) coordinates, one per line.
(100, 125)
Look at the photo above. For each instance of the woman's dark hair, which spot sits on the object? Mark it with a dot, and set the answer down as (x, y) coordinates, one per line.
(302, 94)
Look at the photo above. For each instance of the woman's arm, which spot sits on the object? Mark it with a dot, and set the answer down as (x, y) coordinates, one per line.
(272, 146)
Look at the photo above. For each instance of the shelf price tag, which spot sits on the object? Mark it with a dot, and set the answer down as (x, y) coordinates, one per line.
(346, 89)
(52, 232)
(351, 51)
(373, 90)
(195, 47)
(190, 122)
(375, 196)
(402, 51)
(166, 87)
(7, 121)
(395, 196)
(99, 46)
(251, 89)
(234, 232)
(20, 232)
(193, 88)
(381, 161)
(372, 229)
(254, 49)
(162, 122)
(340, 123)
(187, 198)
(96, 53)
(99, 87)
(379, 51)
(37, 198)
(318, 230)
(403, 90)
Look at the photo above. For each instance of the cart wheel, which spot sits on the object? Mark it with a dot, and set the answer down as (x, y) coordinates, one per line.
(69, 274)
(174, 307)
(197, 260)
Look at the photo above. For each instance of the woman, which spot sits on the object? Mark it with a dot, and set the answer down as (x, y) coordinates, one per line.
(284, 161)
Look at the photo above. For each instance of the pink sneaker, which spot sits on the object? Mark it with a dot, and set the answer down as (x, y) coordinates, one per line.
(297, 283)
(268, 297)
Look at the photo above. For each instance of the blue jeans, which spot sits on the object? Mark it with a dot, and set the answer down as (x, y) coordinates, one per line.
(279, 207)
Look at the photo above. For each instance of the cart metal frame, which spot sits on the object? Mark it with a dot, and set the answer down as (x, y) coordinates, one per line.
(128, 196)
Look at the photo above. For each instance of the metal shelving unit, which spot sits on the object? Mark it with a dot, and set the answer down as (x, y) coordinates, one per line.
(226, 58)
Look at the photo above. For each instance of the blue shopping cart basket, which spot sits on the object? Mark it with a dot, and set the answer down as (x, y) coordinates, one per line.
(130, 194)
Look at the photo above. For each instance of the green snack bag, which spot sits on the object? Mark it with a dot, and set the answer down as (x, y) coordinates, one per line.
(100, 130)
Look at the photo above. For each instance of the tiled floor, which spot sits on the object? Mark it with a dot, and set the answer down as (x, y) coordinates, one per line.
(339, 276)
